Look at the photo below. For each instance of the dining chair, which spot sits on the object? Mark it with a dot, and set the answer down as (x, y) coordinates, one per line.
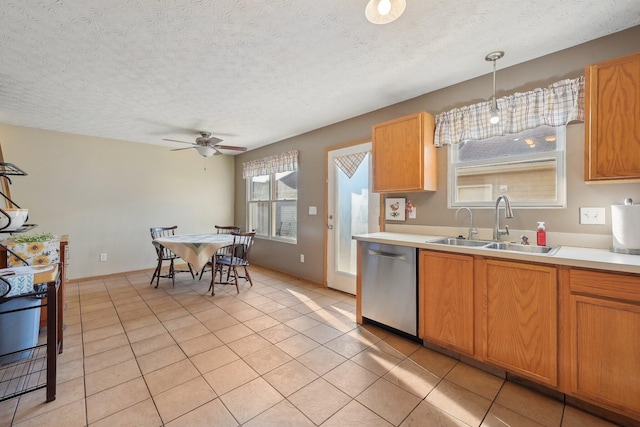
(237, 257)
(221, 229)
(165, 254)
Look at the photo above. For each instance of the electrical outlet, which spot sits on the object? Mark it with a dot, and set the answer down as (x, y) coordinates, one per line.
(103, 257)
(592, 215)
(302, 258)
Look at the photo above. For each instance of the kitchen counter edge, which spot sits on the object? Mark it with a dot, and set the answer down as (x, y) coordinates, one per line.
(598, 259)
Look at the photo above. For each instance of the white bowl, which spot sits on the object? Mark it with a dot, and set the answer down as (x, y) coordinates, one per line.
(18, 218)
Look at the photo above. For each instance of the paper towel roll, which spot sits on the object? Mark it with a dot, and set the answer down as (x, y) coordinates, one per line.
(625, 224)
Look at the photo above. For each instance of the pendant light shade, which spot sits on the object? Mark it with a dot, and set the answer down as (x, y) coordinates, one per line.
(384, 11)
(495, 111)
(205, 151)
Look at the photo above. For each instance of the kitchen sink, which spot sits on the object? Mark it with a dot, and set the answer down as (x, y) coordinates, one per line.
(500, 246)
(504, 246)
(452, 241)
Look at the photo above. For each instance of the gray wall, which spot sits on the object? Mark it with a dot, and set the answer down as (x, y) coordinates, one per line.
(432, 207)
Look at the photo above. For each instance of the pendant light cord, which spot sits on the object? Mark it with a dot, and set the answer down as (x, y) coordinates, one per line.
(495, 105)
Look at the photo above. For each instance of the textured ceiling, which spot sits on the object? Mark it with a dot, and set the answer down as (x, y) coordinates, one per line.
(255, 72)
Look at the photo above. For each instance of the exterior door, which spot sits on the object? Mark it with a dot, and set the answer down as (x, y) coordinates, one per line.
(352, 209)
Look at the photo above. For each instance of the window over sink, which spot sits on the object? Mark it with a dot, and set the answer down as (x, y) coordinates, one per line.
(528, 166)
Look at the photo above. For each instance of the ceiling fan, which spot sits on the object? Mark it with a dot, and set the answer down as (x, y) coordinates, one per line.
(207, 145)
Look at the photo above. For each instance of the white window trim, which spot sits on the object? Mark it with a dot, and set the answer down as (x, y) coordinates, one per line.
(561, 178)
(271, 236)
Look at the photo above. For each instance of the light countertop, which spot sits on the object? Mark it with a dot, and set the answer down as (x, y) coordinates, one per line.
(599, 259)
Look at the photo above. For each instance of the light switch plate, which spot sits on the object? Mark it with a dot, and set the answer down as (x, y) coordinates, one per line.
(592, 215)
(313, 210)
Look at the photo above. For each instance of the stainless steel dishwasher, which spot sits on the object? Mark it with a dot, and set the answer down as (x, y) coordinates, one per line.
(390, 287)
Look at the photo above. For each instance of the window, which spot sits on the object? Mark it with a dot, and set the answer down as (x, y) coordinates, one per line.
(272, 205)
(272, 196)
(529, 167)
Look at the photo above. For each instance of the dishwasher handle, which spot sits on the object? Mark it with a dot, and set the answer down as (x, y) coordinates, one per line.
(381, 254)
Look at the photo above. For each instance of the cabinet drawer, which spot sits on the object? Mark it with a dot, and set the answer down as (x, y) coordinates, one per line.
(610, 285)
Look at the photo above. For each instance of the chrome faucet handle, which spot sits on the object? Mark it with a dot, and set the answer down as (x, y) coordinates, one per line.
(525, 240)
(504, 232)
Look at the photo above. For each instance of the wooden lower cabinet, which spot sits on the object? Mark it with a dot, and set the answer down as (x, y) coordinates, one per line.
(603, 339)
(518, 328)
(573, 330)
(447, 300)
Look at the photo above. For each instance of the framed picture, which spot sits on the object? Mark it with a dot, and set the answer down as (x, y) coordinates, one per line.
(395, 209)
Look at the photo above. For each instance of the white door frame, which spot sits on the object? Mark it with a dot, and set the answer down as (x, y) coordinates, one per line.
(332, 278)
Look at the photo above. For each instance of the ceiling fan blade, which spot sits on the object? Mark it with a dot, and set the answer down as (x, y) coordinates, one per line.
(180, 149)
(182, 142)
(230, 147)
(213, 140)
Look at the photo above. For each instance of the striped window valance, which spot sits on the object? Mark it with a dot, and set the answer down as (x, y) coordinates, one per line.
(555, 105)
(273, 164)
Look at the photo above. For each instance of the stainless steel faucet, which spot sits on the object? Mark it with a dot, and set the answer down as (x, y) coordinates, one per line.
(507, 214)
(472, 230)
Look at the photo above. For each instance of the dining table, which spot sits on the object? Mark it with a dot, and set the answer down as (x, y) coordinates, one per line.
(197, 249)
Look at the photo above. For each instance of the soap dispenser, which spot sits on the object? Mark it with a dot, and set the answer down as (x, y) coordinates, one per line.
(541, 234)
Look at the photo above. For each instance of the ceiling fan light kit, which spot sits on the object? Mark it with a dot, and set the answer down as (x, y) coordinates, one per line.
(384, 11)
(495, 111)
(205, 151)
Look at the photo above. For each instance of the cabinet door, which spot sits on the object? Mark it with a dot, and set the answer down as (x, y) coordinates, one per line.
(612, 120)
(446, 282)
(404, 155)
(520, 319)
(604, 331)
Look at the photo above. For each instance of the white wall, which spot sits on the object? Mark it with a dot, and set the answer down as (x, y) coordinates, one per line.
(106, 194)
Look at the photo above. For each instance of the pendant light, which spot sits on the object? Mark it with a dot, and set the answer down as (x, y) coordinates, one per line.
(384, 11)
(495, 111)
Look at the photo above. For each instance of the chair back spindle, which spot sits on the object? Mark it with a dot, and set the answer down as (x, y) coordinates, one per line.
(221, 229)
(165, 254)
(237, 256)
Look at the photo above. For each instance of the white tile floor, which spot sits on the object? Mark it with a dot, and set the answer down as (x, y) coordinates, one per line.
(284, 352)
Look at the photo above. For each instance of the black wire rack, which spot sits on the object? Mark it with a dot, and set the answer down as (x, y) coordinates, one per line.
(33, 368)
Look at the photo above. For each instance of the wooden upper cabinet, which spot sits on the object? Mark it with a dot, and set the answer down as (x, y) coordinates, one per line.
(404, 158)
(612, 120)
